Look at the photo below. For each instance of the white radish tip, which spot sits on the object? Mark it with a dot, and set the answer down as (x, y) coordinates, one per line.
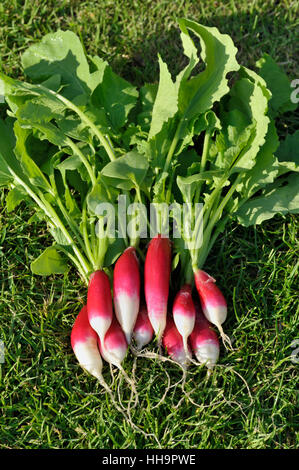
(100, 325)
(128, 337)
(184, 324)
(216, 315)
(89, 357)
(126, 311)
(158, 325)
(182, 359)
(142, 339)
(207, 353)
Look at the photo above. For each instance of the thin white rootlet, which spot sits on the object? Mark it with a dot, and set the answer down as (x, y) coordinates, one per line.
(126, 311)
(216, 315)
(207, 353)
(89, 356)
(100, 325)
(184, 323)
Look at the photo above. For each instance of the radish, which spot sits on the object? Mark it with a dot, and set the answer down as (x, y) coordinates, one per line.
(204, 340)
(212, 301)
(99, 303)
(143, 330)
(126, 290)
(184, 313)
(114, 348)
(157, 269)
(173, 343)
(84, 341)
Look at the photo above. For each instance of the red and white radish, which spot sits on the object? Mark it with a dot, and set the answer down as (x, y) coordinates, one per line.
(212, 301)
(99, 303)
(114, 348)
(84, 341)
(173, 343)
(204, 341)
(85, 344)
(157, 269)
(143, 330)
(126, 290)
(183, 311)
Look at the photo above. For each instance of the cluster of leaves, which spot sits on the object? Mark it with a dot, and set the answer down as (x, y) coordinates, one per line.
(76, 134)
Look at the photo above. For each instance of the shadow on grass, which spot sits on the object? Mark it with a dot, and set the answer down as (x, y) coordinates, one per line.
(253, 34)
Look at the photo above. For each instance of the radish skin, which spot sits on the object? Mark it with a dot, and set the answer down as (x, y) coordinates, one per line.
(99, 303)
(126, 290)
(143, 330)
(173, 343)
(114, 348)
(157, 269)
(84, 341)
(84, 344)
(184, 313)
(204, 341)
(212, 301)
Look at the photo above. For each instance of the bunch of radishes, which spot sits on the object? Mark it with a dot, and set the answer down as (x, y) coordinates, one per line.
(106, 326)
(76, 137)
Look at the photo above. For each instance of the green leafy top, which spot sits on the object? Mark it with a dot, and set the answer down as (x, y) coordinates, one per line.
(76, 134)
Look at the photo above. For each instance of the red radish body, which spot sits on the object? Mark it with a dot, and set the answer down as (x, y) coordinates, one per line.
(84, 343)
(157, 269)
(114, 347)
(204, 341)
(99, 303)
(184, 313)
(212, 300)
(173, 343)
(126, 290)
(143, 330)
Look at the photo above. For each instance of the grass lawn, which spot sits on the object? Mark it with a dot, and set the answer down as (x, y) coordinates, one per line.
(249, 401)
